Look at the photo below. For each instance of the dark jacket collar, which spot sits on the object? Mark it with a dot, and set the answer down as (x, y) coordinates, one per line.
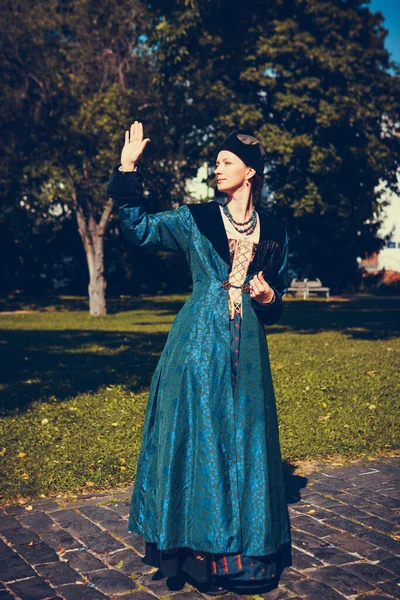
(208, 219)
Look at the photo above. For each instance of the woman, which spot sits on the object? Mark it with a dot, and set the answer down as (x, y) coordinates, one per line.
(209, 495)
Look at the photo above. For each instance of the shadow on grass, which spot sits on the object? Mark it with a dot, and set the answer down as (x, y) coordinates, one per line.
(362, 318)
(43, 364)
(170, 304)
(61, 364)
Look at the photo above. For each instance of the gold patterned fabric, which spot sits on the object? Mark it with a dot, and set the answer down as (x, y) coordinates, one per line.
(242, 249)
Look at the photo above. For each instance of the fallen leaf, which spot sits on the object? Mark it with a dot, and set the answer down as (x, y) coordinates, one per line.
(311, 512)
(120, 564)
(45, 421)
(372, 373)
(25, 476)
(21, 455)
(30, 507)
(372, 406)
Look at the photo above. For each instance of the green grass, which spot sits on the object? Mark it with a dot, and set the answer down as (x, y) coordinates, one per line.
(74, 388)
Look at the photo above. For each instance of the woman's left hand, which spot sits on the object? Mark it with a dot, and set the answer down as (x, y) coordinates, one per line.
(260, 290)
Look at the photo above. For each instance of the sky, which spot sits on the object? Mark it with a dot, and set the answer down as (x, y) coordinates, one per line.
(391, 11)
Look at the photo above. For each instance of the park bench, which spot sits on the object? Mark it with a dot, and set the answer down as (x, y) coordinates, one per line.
(307, 287)
(315, 286)
(298, 287)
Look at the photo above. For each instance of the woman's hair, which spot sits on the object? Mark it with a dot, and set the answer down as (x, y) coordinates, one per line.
(256, 181)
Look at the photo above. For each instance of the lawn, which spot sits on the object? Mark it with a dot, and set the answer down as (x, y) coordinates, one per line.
(74, 388)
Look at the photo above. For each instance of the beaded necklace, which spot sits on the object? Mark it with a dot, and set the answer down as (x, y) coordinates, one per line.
(251, 222)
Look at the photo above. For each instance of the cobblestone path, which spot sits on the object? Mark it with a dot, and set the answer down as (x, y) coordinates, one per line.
(345, 531)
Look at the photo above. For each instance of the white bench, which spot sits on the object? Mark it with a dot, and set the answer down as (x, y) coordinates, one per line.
(307, 287)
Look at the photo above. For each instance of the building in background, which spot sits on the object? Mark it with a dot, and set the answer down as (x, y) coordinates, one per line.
(388, 257)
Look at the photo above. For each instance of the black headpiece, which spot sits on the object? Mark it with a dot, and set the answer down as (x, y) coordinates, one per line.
(251, 154)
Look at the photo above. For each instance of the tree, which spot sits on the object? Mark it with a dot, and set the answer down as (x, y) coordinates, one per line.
(75, 82)
(312, 80)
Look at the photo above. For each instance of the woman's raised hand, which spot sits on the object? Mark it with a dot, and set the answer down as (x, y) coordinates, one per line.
(134, 145)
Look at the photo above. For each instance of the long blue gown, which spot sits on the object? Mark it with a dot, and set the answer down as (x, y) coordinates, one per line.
(209, 493)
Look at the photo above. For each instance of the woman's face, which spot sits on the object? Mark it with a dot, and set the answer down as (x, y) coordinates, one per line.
(230, 172)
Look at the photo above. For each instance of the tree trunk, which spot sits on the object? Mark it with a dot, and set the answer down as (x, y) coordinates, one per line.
(92, 236)
(97, 283)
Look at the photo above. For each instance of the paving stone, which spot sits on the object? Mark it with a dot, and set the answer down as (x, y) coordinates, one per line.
(346, 525)
(374, 597)
(77, 525)
(15, 510)
(371, 573)
(59, 539)
(311, 525)
(391, 564)
(276, 594)
(302, 561)
(135, 540)
(156, 583)
(111, 581)
(391, 587)
(83, 561)
(380, 539)
(389, 514)
(4, 595)
(102, 543)
(377, 554)
(21, 535)
(119, 528)
(384, 500)
(333, 556)
(5, 550)
(13, 567)
(290, 574)
(99, 513)
(306, 541)
(334, 483)
(313, 590)
(316, 511)
(190, 595)
(33, 588)
(142, 595)
(37, 554)
(38, 522)
(132, 562)
(353, 500)
(348, 542)
(341, 580)
(380, 524)
(121, 508)
(82, 592)
(58, 573)
(351, 512)
(8, 522)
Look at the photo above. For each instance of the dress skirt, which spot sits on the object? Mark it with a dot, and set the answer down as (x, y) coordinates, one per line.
(248, 571)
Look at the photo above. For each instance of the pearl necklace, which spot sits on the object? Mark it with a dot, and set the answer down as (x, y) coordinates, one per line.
(236, 224)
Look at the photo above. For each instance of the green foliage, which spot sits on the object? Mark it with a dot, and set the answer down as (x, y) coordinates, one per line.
(314, 82)
(75, 388)
(312, 79)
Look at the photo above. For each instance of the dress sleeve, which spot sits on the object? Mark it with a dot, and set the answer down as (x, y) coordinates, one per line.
(270, 313)
(169, 229)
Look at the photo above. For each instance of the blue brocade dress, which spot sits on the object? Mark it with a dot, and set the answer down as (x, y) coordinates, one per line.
(247, 571)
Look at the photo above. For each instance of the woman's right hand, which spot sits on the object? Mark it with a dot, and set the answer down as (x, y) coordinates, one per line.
(134, 145)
